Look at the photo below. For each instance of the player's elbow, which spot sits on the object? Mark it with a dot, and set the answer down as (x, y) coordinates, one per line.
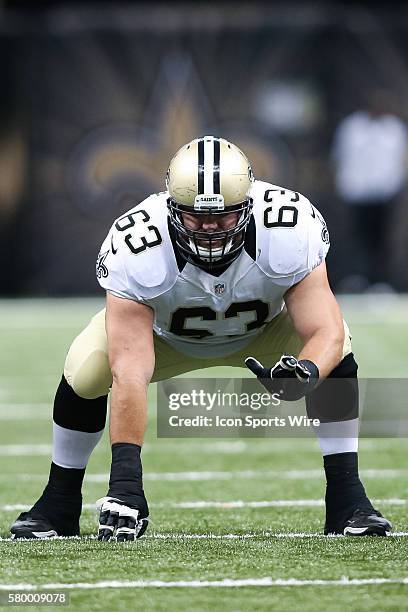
(125, 374)
(335, 340)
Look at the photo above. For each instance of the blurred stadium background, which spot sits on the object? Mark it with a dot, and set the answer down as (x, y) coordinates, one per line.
(96, 97)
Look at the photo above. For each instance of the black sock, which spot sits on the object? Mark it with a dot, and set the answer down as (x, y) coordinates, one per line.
(344, 492)
(66, 479)
(61, 501)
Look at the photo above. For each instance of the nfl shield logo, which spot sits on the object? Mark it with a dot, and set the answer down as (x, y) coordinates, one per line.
(219, 288)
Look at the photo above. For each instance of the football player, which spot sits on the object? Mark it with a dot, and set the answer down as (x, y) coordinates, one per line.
(217, 269)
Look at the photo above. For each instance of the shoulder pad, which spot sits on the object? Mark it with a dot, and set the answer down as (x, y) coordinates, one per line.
(137, 260)
(292, 236)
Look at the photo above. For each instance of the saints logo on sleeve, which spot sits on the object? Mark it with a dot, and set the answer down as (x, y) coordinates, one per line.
(101, 269)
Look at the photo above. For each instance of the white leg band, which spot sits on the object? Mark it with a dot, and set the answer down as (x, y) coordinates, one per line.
(338, 437)
(72, 449)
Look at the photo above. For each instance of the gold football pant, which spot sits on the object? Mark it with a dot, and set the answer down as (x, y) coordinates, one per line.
(87, 366)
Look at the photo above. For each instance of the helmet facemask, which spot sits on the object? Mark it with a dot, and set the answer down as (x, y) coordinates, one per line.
(210, 249)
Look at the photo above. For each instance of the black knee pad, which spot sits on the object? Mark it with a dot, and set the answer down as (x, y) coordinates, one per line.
(77, 413)
(347, 368)
(336, 398)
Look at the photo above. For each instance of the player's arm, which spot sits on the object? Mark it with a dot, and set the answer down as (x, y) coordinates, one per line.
(317, 319)
(129, 325)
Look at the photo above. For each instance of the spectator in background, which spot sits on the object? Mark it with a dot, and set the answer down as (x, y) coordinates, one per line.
(370, 153)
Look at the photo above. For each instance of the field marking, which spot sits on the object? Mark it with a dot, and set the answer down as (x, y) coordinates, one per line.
(72, 324)
(224, 583)
(183, 446)
(246, 536)
(233, 447)
(275, 503)
(17, 406)
(218, 475)
(246, 474)
(221, 447)
(227, 505)
(18, 378)
(17, 450)
(20, 412)
(249, 536)
(215, 536)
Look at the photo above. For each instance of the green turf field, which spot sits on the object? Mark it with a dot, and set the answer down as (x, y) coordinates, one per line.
(243, 512)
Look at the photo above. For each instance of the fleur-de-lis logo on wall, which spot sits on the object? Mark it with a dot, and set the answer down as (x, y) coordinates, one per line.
(115, 166)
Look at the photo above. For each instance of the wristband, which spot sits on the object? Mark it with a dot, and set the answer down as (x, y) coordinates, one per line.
(126, 483)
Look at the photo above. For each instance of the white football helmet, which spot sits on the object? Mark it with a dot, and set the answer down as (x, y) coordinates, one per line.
(209, 176)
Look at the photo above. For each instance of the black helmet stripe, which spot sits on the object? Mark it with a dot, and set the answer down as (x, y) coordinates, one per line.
(208, 165)
(216, 165)
(201, 166)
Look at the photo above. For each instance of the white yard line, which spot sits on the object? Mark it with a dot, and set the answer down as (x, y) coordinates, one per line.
(219, 475)
(23, 412)
(276, 503)
(227, 505)
(69, 324)
(217, 447)
(13, 406)
(223, 447)
(249, 536)
(226, 582)
(17, 450)
(216, 536)
(249, 475)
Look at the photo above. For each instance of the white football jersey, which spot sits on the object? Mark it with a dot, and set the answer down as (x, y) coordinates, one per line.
(204, 314)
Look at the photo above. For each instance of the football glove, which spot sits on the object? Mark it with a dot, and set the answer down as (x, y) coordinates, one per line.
(290, 378)
(120, 521)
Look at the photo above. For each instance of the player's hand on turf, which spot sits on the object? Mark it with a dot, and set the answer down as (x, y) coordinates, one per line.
(120, 521)
(290, 378)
